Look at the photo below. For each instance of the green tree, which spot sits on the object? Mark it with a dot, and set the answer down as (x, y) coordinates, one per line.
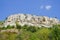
(32, 29)
(55, 32)
(9, 27)
(25, 27)
(18, 26)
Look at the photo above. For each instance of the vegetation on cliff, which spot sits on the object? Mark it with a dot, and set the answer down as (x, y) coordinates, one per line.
(31, 33)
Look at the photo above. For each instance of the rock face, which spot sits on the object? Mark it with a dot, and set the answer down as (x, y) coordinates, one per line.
(32, 20)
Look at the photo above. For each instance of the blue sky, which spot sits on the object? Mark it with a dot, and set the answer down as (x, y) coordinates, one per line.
(50, 8)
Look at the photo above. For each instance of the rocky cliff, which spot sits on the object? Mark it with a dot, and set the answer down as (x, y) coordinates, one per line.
(32, 20)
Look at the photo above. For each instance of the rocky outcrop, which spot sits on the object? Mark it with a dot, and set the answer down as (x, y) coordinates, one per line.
(10, 31)
(32, 20)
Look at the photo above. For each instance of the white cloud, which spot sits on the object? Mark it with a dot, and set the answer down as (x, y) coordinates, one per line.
(48, 7)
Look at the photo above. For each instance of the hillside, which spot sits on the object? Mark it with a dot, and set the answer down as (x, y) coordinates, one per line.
(29, 27)
(30, 33)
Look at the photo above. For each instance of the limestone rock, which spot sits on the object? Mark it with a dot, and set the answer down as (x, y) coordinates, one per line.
(32, 20)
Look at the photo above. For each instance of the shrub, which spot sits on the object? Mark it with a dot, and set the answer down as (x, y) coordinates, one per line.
(18, 37)
(9, 27)
(25, 27)
(3, 28)
(18, 26)
(32, 29)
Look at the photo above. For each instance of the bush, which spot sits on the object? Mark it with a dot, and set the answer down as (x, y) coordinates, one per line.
(25, 27)
(19, 37)
(3, 28)
(56, 32)
(32, 29)
(9, 27)
(18, 26)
